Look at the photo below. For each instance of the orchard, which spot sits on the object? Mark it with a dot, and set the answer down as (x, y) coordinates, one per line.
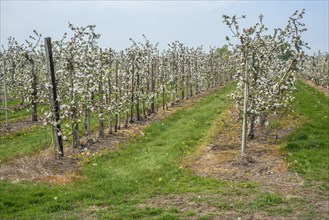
(232, 132)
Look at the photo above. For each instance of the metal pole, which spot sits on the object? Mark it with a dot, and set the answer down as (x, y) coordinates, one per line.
(245, 107)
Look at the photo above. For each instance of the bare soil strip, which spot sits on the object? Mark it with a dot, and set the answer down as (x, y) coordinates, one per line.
(18, 126)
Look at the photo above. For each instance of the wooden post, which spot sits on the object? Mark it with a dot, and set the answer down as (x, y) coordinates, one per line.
(51, 104)
(5, 90)
(51, 71)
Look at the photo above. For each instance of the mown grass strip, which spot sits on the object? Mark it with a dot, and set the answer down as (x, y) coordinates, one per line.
(20, 114)
(27, 141)
(308, 146)
(144, 167)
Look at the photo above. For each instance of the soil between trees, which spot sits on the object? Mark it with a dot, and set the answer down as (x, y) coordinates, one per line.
(264, 161)
(264, 166)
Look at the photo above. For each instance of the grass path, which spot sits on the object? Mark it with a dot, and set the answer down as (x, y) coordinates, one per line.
(136, 181)
(146, 166)
(308, 146)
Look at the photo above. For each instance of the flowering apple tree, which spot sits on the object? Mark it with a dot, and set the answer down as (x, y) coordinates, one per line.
(267, 64)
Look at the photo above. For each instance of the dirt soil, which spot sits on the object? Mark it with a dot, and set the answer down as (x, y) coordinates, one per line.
(199, 205)
(43, 167)
(264, 163)
(18, 126)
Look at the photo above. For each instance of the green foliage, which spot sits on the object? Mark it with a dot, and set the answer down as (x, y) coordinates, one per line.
(223, 50)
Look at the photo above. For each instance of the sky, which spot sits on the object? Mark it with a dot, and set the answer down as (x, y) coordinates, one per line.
(193, 23)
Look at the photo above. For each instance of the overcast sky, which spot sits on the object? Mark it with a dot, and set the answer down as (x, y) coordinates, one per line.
(194, 23)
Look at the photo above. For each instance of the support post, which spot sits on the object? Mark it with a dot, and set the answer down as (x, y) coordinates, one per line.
(5, 90)
(245, 107)
(56, 106)
(116, 97)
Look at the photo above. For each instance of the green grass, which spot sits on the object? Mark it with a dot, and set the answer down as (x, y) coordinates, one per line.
(144, 167)
(148, 167)
(27, 141)
(308, 146)
(33, 139)
(17, 115)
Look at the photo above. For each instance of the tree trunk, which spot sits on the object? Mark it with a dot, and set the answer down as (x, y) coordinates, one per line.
(143, 105)
(109, 102)
(110, 123)
(137, 98)
(34, 93)
(5, 91)
(75, 126)
(101, 104)
(183, 81)
(153, 88)
(251, 135)
(132, 92)
(157, 106)
(87, 121)
(127, 105)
